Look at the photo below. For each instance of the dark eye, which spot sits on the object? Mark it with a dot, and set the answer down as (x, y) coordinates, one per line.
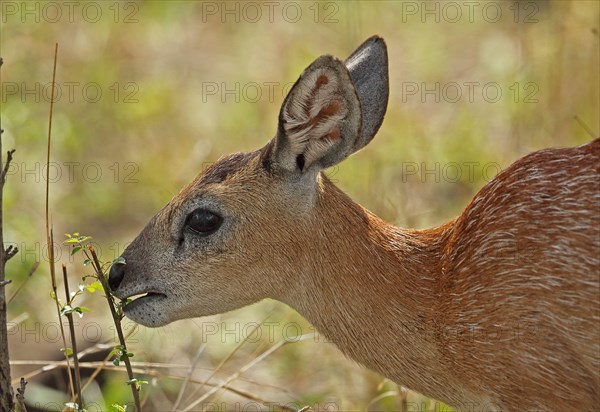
(203, 222)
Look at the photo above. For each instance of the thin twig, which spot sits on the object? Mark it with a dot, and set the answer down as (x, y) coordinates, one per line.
(9, 157)
(6, 391)
(189, 376)
(57, 304)
(150, 368)
(31, 272)
(49, 233)
(49, 141)
(9, 252)
(585, 126)
(106, 359)
(21, 395)
(73, 340)
(52, 365)
(244, 368)
(230, 355)
(15, 322)
(117, 321)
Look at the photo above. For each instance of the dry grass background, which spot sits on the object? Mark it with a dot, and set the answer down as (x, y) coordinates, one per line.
(121, 155)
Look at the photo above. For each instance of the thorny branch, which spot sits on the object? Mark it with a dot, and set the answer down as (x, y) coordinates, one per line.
(21, 395)
(6, 391)
(10, 251)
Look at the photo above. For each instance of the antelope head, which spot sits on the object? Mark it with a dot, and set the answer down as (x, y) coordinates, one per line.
(249, 226)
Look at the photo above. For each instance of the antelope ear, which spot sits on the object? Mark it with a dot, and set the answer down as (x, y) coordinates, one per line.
(319, 120)
(368, 67)
(333, 110)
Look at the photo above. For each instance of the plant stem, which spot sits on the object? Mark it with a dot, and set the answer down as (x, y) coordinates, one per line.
(73, 341)
(6, 392)
(49, 233)
(49, 141)
(98, 268)
(60, 322)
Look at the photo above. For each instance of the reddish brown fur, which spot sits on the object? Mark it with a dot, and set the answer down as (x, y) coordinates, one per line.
(512, 328)
(480, 312)
(334, 134)
(496, 310)
(321, 80)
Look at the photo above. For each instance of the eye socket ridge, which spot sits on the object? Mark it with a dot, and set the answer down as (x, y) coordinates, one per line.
(203, 222)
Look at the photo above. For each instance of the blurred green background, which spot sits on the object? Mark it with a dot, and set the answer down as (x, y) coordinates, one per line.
(149, 93)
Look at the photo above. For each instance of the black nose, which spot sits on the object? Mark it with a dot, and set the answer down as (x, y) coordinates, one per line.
(116, 275)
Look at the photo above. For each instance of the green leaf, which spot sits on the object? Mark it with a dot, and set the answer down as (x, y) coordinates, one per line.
(94, 286)
(125, 355)
(116, 361)
(75, 250)
(68, 235)
(87, 262)
(69, 241)
(80, 310)
(119, 408)
(118, 350)
(137, 382)
(67, 309)
(67, 351)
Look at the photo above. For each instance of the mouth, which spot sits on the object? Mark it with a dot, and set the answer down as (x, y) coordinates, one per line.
(138, 299)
